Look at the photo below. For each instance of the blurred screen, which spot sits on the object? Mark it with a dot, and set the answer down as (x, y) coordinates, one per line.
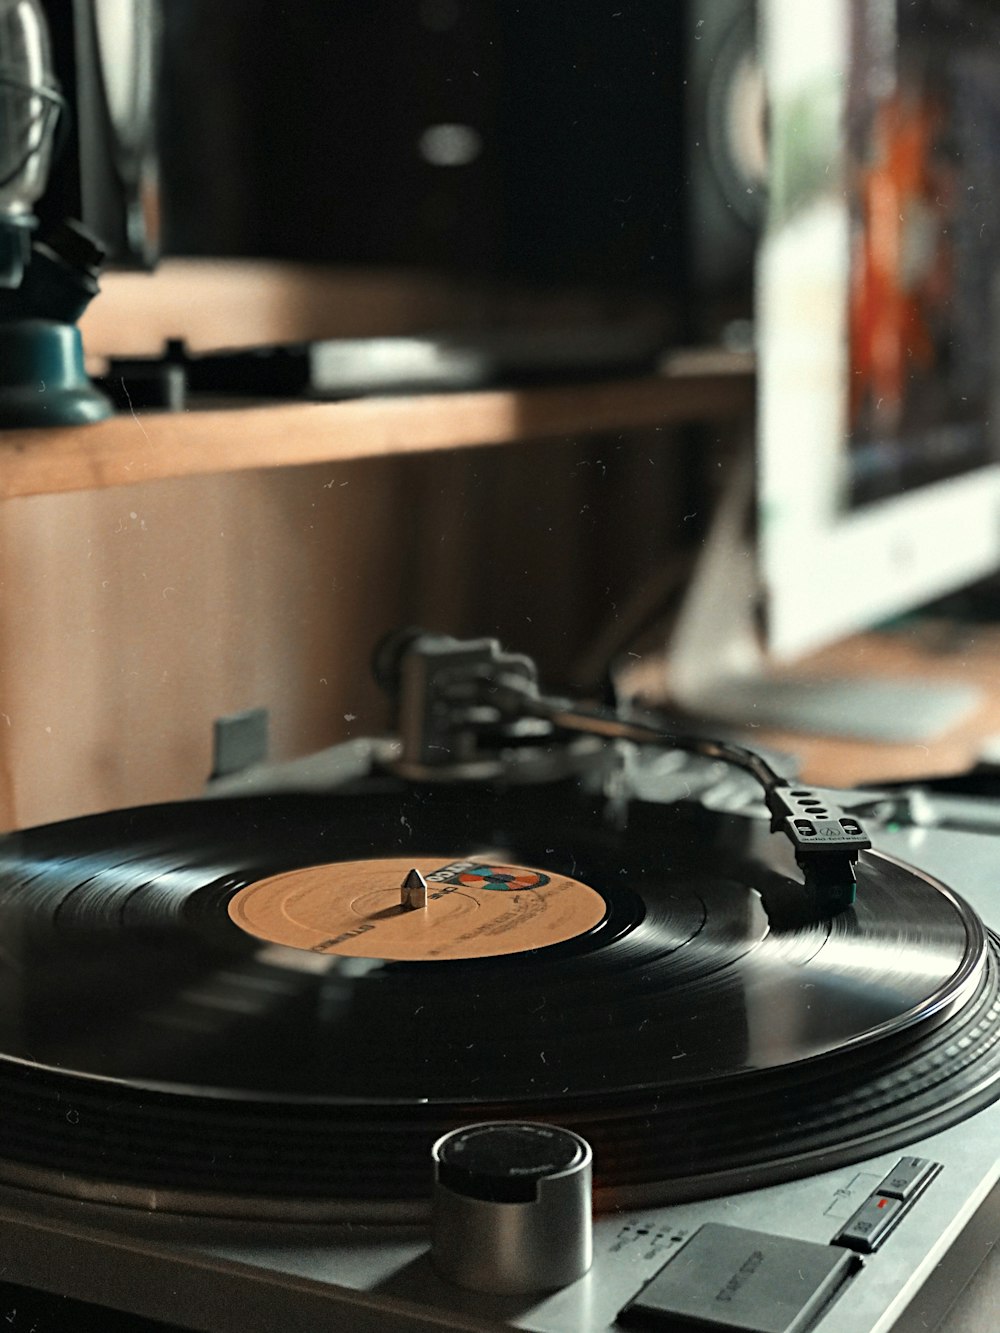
(923, 174)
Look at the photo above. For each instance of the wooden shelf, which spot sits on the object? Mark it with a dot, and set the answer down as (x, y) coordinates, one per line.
(152, 446)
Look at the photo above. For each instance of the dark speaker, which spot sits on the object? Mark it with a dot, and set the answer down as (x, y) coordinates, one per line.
(726, 137)
(554, 142)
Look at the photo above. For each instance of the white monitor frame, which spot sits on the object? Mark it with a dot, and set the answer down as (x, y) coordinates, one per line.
(827, 571)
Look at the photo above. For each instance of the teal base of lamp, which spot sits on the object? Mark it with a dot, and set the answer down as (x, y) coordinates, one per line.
(42, 377)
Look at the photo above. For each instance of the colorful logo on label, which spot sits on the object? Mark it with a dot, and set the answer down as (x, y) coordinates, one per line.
(475, 875)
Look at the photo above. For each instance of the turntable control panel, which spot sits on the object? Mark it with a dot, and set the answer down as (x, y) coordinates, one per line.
(883, 1209)
(728, 1277)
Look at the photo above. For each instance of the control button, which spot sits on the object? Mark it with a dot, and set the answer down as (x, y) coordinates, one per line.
(503, 1162)
(727, 1278)
(908, 1177)
(870, 1225)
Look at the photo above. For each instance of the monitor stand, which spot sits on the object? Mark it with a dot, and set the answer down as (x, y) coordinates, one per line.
(717, 668)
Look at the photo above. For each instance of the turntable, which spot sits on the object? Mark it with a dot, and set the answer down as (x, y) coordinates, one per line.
(363, 1059)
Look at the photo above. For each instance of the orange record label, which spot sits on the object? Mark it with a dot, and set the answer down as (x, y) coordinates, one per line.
(474, 909)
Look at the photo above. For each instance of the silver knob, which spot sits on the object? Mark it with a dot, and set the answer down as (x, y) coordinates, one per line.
(512, 1207)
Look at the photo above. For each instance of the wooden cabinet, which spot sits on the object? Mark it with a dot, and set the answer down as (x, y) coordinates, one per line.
(279, 542)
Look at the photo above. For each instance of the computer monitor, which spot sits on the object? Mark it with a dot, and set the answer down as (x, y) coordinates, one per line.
(877, 475)
(878, 311)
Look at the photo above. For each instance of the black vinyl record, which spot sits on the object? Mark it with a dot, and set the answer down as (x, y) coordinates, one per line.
(226, 1005)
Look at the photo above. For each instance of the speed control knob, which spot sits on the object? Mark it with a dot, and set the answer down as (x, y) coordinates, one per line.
(511, 1209)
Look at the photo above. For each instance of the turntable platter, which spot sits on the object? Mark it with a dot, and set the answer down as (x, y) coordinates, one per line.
(226, 1003)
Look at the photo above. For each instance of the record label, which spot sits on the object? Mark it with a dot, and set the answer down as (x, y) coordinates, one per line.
(474, 909)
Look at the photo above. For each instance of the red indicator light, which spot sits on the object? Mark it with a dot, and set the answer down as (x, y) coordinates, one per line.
(882, 1202)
